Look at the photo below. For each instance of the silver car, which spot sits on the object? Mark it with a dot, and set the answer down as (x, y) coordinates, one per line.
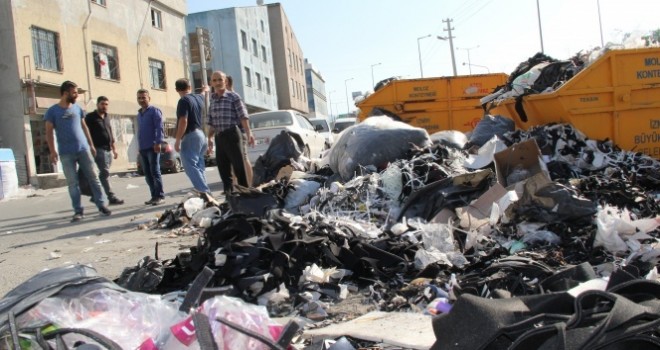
(266, 125)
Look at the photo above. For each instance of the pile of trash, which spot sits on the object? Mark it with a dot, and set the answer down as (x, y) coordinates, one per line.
(544, 74)
(561, 230)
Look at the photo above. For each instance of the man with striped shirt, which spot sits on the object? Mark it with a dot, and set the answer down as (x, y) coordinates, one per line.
(228, 124)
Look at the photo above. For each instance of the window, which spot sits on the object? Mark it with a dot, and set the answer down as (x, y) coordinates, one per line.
(264, 56)
(156, 19)
(105, 61)
(290, 57)
(263, 27)
(46, 49)
(293, 88)
(157, 74)
(267, 81)
(99, 2)
(248, 77)
(255, 48)
(244, 40)
(304, 123)
(258, 76)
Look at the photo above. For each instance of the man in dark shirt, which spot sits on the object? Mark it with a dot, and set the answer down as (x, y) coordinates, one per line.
(190, 140)
(100, 129)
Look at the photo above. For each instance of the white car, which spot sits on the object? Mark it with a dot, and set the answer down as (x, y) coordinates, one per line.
(266, 125)
(343, 123)
(321, 125)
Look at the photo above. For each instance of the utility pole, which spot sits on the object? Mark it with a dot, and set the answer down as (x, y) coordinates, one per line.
(451, 42)
(202, 63)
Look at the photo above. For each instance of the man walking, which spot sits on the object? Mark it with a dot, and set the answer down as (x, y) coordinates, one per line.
(100, 130)
(74, 148)
(228, 120)
(150, 137)
(190, 139)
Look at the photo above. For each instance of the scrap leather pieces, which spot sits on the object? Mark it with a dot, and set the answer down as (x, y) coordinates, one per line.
(550, 202)
(144, 277)
(452, 192)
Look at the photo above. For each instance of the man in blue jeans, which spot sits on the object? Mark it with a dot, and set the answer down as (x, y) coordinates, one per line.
(74, 148)
(190, 140)
(150, 137)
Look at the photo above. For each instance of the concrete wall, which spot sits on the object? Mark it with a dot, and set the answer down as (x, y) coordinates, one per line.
(288, 59)
(12, 119)
(123, 24)
(228, 55)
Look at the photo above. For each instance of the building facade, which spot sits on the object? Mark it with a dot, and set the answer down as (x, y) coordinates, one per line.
(288, 62)
(316, 96)
(108, 47)
(241, 47)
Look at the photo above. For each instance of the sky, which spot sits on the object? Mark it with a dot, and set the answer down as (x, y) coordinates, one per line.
(348, 40)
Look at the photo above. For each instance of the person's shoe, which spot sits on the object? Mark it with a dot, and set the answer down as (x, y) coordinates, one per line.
(116, 201)
(105, 211)
(157, 201)
(150, 202)
(77, 217)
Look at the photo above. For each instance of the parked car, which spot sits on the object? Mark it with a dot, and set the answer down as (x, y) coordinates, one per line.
(266, 125)
(343, 123)
(170, 160)
(321, 125)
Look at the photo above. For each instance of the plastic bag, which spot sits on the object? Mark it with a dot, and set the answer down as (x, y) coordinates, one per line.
(192, 206)
(128, 318)
(490, 126)
(302, 191)
(615, 226)
(252, 317)
(283, 147)
(376, 141)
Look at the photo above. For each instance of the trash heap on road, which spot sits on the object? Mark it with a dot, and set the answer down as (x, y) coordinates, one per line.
(529, 237)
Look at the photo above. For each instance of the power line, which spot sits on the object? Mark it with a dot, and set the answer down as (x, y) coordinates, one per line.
(474, 13)
(462, 10)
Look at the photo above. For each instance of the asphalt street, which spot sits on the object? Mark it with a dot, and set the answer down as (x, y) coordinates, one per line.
(36, 232)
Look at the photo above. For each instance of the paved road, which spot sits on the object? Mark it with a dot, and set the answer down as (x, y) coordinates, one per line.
(36, 232)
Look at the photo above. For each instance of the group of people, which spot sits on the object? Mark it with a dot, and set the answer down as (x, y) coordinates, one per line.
(87, 142)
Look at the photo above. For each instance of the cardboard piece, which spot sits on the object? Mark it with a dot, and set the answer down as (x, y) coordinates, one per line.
(518, 163)
(478, 212)
(408, 330)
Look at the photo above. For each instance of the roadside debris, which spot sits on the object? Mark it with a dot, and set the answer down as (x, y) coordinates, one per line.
(434, 230)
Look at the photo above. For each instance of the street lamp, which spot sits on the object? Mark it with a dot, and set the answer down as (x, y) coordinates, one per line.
(600, 24)
(468, 52)
(346, 86)
(330, 101)
(451, 49)
(372, 73)
(476, 65)
(419, 52)
(538, 13)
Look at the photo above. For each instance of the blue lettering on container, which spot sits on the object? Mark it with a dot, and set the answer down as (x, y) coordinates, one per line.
(648, 74)
(652, 61)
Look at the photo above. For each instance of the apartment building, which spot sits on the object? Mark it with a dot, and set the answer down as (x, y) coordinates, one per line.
(108, 47)
(288, 61)
(317, 101)
(241, 47)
